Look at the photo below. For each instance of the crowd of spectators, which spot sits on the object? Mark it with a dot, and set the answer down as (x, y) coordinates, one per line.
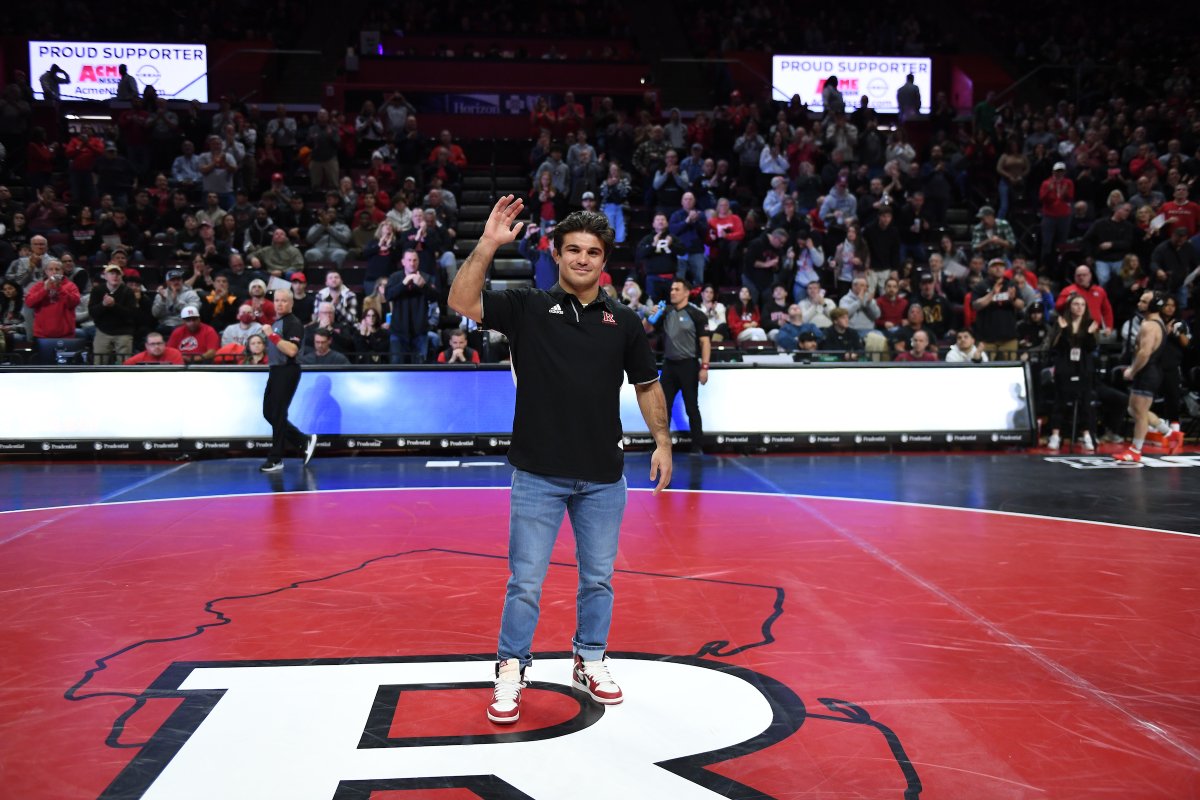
(857, 236)
(838, 235)
(219, 210)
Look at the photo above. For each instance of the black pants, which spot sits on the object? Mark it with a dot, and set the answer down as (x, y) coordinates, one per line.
(683, 375)
(1071, 390)
(281, 386)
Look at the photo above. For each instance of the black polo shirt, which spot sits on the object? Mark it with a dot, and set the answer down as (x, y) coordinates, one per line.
(569, 362)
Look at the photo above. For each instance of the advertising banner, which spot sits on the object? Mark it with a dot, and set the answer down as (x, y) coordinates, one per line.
(877, 78)
(176, 71)
(843, 406)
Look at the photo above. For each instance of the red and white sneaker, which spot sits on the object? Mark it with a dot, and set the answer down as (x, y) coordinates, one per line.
(1128, 454)
(505, 708)
(1174, 441)
(1155, 438)
(593, 678)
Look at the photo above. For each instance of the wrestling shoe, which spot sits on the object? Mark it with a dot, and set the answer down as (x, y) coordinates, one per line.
(310, 448)
(1155, 438)
(1174, 441)
(593, 678)
(1054, 442)
(271, 466)
(506, 699)
(1086, 444)
(1128, 454)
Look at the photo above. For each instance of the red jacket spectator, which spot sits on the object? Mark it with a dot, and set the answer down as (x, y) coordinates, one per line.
(737, 321)
(928, 355)
(1139, 164)
(540, 118)
(471, 353)
(83, 152)
(193, 344)
(734, 231)
(1030, 277)
(700, 133)
(1182, 215)
(457, 157)
(169, 356)
(891, 312)
(1097, 300)
(1057, 194)
(53, 304)
(46, 215)
(40, 159)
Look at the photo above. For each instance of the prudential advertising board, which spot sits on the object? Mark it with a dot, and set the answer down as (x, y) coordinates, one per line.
(176, 71)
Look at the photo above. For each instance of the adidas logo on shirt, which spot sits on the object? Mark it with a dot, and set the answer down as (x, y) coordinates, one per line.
(556, 309)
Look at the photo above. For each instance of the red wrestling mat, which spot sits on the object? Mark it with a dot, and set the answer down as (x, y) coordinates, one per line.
(338, 645)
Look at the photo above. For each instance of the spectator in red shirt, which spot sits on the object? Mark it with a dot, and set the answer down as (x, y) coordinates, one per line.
(156, 352)
(458, 352)
(892, 306)
(39, 163)
(1182, 212)
(82, 152)
(918, 348)
(570, 116)
(457, 157)
(195, 341)
(46, 214)
(1143, 161)
(1056, 195)
(1097, 299)
(53, 301)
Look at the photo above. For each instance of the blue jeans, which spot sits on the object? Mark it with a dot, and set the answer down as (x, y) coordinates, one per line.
(409, 349)
(691, 266)
(616, 218)
(1055, 230)
(1105, 270)
(1005, 190)
(535, 515)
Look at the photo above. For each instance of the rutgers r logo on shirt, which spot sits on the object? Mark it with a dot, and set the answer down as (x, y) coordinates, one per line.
(609, 319)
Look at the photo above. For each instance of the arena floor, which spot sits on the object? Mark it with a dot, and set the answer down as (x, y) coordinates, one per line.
(940, 626)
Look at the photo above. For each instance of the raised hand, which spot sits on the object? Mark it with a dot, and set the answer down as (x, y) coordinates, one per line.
(499, 229)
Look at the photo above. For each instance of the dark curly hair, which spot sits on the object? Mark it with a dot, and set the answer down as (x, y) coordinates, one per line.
(591, 222)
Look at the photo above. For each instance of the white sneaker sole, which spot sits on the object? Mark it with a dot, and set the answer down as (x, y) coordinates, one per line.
(604, 701)
(504, 720)
(312, 448)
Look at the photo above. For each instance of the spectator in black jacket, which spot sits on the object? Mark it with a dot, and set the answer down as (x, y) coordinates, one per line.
(409, 291)
(1107, 241)
(883, 242)
(144, 320)
(840, 338)
(113, 309)
(1172, 262)
(914, 227)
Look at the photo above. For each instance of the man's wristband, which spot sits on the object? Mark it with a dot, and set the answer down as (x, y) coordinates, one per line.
(274, 337)
(704, 366)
